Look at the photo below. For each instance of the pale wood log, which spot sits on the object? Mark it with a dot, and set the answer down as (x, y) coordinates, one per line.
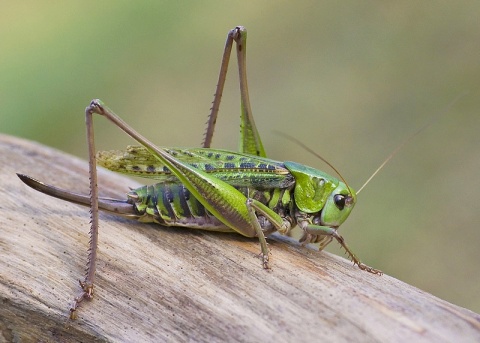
(159, 284)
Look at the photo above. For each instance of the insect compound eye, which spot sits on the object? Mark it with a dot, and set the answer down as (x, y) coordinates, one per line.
(340, 201)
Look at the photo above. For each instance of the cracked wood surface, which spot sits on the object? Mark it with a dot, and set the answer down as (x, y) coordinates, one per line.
(164, 284)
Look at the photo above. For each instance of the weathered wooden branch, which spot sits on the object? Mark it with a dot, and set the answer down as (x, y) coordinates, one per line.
(162, 284)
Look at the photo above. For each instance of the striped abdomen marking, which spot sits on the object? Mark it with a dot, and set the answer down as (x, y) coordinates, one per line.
(171, 204)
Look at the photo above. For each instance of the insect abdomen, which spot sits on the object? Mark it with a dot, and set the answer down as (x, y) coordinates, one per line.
(171, 204)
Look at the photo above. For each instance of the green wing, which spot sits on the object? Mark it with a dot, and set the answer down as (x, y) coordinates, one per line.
(237, 169)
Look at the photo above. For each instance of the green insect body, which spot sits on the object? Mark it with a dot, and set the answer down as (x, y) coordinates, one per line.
(299, 194)
(217, 190)
(170, 203)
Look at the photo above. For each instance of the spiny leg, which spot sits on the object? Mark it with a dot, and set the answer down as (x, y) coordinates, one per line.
(274, 218)
(250, 139)
(316, 230)
(225, 202)
(222, 76)
(261, 237)
(87, 283)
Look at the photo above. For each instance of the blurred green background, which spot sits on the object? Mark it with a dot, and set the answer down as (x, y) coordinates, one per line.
(350, 79)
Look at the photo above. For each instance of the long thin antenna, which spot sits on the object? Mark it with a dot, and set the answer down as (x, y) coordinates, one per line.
(295, 140)
(410, 138)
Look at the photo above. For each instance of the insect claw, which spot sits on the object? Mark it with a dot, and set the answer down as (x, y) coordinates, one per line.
(363, 266)
(265, 262)
(87, 293)
(265, 259)
(73, 313)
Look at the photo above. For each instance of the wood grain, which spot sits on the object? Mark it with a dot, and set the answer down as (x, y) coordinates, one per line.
(159, 284)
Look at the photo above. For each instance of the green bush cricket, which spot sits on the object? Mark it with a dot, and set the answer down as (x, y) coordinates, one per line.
(211, 189)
